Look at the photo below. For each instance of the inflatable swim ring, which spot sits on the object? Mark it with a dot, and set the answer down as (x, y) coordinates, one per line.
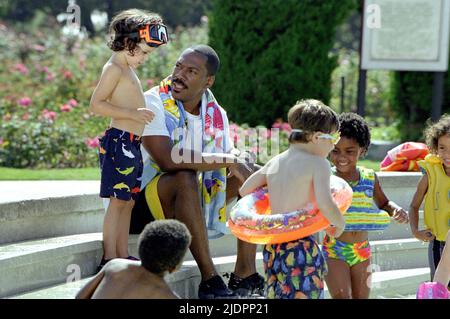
(432, 290)
(251, 219)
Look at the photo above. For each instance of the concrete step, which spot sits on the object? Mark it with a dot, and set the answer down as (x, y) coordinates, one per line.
(399, 186)
(38, 263)
(43, 209)
(32, 210)
(385, 284)
(35, 264)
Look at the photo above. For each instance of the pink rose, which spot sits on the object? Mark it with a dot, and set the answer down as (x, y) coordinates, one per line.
(67, 75)
(73, 102)
(92, 142)
(39, 48)
(50, 77)
(49, 115)
(65, 108)
(21, 68)
(25, 102)
(276, 125)
(286, 127)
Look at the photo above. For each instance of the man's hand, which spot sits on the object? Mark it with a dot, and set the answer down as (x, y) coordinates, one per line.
(423, 235)
(241, 170)
(400, 216)
(142, 115)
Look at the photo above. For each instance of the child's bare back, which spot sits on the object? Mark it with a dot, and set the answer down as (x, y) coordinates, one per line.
(126, 279)
(162, 246)
(290, 184)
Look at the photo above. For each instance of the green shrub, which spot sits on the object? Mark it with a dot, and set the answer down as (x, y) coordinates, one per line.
(274, 53)
(411, 101)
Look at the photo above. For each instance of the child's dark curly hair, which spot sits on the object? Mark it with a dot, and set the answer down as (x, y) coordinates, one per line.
(353, 126)
(436, 131)
(163, 244)
(125, 26)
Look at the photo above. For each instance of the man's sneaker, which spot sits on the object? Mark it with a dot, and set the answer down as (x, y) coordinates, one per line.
(248, 286)
(133, 258)
(103, 262)
(214, 288)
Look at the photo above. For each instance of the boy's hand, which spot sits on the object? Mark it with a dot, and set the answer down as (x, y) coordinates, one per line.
(400, 216)
(334, 231)
(143, 115)
(423, 235)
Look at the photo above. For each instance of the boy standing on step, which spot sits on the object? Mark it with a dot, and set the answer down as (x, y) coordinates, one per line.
(162, 246)
(119, 96)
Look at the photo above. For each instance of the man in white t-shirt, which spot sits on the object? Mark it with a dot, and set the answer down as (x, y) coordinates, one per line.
(171, 187)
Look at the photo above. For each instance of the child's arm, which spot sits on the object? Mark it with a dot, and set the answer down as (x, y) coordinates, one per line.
(422, 187)
(385, 204)
(442, 274)
(257, 179)
(325, 203)
(89, 288)
(108, 81)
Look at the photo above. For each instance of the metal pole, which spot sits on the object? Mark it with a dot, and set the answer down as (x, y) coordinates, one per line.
(438, 96)
(361, 98)
(342, 93)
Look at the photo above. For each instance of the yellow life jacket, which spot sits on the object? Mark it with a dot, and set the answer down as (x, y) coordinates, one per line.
(437, 198)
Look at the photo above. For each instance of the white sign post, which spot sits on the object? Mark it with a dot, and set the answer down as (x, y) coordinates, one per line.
(407, 35)
(412, 35)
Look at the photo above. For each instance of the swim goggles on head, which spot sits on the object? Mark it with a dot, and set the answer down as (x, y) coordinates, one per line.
(153, 34)
(335, 137)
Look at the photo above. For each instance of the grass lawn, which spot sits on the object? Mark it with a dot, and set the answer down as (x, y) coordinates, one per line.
(28, 174)
(8, 174)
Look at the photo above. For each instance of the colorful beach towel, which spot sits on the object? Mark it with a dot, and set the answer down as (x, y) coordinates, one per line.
(404, 157)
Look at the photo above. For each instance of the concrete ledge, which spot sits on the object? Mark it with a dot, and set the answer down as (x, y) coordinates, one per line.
(49, 217)
(36, 264)
(385, 284)
(399, 254)
(399, 186)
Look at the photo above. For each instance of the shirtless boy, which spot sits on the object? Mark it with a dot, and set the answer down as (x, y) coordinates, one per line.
(294, 178)
(119, 96)
(162, 246)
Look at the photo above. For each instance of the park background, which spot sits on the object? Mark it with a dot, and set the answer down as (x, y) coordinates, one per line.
(273, 53)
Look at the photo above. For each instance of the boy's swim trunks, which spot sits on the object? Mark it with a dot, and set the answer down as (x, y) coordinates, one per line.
(121, 164)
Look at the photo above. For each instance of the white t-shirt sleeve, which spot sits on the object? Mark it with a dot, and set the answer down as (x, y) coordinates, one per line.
(158, 125)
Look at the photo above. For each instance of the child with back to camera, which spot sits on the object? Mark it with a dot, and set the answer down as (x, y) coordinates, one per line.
(119, 96)
(348, 255)
(162, 246)
(434, 187)
(296, 269)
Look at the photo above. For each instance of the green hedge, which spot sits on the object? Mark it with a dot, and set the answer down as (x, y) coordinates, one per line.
(274, 53)
(411, 101)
